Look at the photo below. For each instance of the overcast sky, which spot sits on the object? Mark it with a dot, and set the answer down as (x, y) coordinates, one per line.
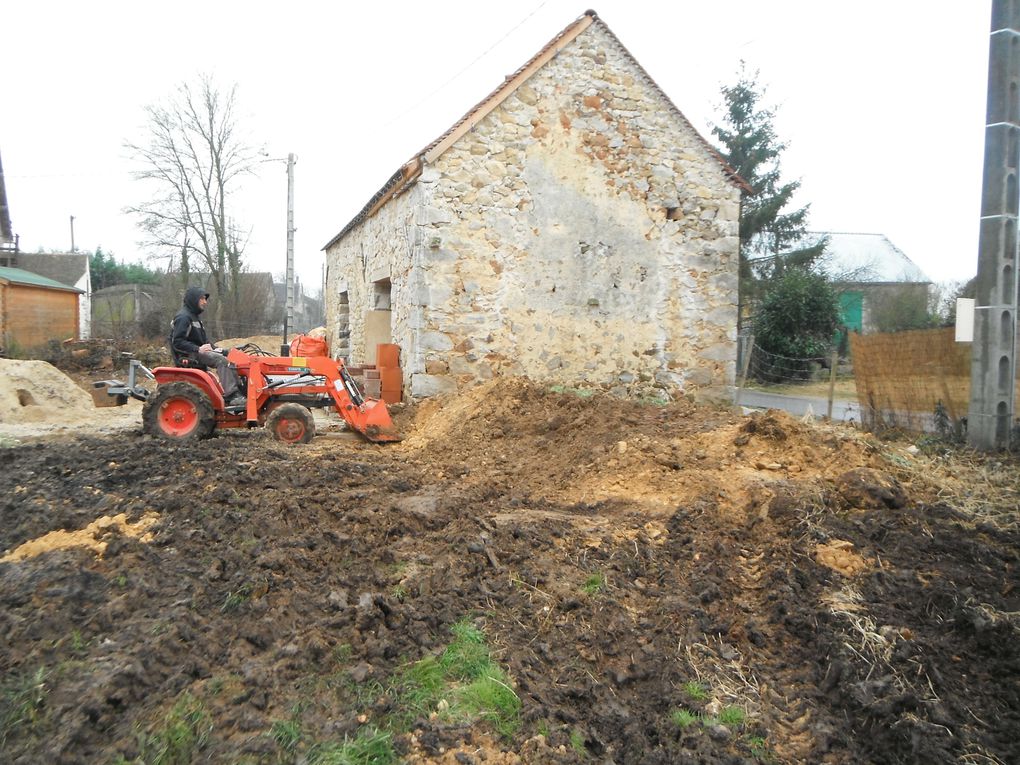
(882, 103)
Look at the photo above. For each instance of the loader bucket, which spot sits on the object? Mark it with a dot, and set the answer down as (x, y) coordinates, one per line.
(101, 395)
(372, 420)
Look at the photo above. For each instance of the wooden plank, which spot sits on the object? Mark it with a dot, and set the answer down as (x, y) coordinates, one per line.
(36, 315)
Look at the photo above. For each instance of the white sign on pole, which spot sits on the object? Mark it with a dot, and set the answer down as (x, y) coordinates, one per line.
(964, 320)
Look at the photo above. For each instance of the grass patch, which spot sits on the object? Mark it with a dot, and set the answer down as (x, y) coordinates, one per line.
(342, 653)
(684, 718)
(491, 698)
(594, 584)
(22, 699)
(579, 392)
(760, 750)
(732, 716)
(235, 599)
(286, 734)
(78, 643)
(695, 691)
(420, 687)
(184, 734)
(577, 744)
(460, 684)
(467, 656)
(370, 747)
(463, 684)
(653, 400)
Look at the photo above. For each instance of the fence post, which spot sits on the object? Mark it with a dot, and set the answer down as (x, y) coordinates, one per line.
(832, 383)
(748, 350)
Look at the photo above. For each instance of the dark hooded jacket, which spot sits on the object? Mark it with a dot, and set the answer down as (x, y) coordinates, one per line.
(187, 333)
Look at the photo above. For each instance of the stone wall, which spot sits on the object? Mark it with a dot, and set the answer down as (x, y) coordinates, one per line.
(380, 248)
(580, 232)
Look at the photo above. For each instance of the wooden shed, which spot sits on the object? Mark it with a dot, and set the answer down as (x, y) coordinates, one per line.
(35, 309)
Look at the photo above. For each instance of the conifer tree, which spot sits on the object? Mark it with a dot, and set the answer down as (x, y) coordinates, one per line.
(750, 145)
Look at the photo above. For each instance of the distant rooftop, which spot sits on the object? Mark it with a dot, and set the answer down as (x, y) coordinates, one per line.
(868, 258)
(65, 267)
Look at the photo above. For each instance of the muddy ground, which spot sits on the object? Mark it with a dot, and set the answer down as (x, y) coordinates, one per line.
(855, 599)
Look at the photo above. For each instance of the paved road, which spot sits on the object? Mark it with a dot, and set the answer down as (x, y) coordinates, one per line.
(842, 411)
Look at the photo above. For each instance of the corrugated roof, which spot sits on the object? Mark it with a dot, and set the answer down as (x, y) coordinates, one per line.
(21, 276)
(865, 258)
(408, 173)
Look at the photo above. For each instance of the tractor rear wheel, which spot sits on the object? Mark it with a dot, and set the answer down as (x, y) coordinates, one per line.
(178, 411)
(291, 423)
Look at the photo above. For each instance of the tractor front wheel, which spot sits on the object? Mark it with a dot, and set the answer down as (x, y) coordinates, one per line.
(291, 423)
(178, 411)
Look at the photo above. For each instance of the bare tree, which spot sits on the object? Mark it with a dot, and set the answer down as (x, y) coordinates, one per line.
(194, 158)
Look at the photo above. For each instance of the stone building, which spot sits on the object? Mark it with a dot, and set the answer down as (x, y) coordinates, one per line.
(571, 227)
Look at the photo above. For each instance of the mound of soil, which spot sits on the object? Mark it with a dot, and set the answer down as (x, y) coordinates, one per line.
(39, 400)
(36, 391)
(740, 563)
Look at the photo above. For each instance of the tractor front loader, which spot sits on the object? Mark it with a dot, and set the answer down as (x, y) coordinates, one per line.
(280, 392)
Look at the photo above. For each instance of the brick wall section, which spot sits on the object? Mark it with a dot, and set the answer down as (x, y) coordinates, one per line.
(580, 232)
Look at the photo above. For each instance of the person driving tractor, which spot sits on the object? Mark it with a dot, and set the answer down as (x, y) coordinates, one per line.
(189, 341)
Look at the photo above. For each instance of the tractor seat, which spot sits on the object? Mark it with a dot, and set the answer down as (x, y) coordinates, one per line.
(187, 363)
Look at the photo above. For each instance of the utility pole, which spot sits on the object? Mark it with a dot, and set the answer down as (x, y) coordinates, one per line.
(72, 233)
(288, 319)
(993, 353)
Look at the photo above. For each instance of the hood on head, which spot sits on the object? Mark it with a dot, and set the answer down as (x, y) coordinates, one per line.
(191, 298)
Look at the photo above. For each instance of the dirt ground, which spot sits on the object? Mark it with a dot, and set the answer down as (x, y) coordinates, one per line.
(855, 599)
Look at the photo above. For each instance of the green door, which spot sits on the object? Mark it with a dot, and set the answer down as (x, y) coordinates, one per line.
(851, 310)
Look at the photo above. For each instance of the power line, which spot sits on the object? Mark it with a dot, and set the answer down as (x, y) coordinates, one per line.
(478, 58)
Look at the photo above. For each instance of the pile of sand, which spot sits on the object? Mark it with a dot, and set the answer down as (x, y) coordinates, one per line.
(36, 391)
(37, 398)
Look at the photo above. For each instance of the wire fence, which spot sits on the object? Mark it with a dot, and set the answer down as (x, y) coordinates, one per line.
(917, 380)
(773, 368)
(820, 384)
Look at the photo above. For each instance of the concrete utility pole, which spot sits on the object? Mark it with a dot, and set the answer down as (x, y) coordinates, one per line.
(288, 319)
(993, 359)
(72, 233)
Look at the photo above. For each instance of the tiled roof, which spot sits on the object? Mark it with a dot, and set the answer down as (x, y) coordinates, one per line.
(408, 173)
(21, 276)
(65, 267)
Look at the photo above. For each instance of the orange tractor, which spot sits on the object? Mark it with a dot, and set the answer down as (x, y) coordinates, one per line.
(280, 392)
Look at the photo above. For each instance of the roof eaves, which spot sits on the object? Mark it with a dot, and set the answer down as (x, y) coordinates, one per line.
(397, 184)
